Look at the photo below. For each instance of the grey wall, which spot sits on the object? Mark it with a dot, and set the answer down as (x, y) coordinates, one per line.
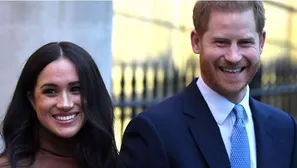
(25, 26)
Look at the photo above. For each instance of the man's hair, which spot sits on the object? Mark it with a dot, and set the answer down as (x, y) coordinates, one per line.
(202, 11)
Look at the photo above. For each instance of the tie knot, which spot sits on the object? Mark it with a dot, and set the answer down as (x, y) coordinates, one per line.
(239, 111)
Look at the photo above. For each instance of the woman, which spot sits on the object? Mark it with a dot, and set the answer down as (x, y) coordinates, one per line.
(61, 114)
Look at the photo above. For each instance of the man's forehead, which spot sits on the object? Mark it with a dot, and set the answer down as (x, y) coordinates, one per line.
(232, 24)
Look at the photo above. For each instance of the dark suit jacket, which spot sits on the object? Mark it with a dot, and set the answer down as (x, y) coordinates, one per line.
(180, 132)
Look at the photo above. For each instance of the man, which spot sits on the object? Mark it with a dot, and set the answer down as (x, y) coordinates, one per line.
(214, 122)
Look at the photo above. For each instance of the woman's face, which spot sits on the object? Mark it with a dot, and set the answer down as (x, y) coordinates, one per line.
(57, 100)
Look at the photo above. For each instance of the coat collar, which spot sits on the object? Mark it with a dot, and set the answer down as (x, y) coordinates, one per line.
(206, 132)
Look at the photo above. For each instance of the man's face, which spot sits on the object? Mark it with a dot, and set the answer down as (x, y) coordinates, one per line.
(229, 52)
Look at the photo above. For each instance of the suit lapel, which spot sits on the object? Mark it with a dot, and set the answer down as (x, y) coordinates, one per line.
(264, 139)
(204, 128)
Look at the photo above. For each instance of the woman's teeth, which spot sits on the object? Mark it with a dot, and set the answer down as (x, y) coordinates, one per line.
(65, 118)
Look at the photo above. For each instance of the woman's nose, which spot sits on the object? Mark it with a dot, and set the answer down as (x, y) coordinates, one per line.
(64, 101)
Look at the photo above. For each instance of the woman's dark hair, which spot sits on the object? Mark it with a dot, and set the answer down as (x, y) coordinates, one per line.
(96, 146)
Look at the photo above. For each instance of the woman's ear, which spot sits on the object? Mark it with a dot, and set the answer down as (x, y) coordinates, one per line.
(31, 99)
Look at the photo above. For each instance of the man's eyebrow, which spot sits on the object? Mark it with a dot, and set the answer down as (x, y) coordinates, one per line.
(220, 39)
(248, 39)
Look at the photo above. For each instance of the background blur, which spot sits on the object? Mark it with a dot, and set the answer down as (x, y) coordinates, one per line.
(142, 48)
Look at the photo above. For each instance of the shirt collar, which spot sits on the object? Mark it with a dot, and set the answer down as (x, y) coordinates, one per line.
(219, 106)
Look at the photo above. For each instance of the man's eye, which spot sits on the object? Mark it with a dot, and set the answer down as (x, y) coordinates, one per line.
(245, 43)
(221, 43)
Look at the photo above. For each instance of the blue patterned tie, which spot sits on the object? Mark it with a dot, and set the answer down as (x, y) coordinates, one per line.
(240, 150)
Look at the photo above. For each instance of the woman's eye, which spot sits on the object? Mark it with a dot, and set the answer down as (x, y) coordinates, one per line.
(75, 89)
(50, 92)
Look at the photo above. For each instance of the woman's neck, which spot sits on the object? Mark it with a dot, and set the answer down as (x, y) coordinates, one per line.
(56, 145)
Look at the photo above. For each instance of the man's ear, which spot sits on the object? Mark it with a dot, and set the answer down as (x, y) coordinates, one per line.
(31, 99)
(195, 41)
(262, 40)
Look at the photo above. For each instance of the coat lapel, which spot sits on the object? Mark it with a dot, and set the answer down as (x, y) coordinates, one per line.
(204, 128)
(263, 135)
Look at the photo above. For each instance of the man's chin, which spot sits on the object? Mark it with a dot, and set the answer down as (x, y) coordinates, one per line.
(233, 92)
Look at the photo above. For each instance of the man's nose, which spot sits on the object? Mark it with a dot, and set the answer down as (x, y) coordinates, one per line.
(233, 55)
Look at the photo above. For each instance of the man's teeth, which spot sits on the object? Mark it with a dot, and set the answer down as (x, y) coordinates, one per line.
(64, 118)
(231, 70)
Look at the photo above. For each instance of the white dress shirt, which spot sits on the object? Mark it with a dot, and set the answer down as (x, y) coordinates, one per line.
(221, 109)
